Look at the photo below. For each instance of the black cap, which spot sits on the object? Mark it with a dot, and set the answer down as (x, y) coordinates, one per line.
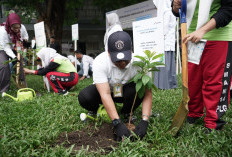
(120, 46)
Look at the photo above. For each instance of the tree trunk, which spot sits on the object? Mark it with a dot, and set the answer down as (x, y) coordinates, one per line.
(53, 18)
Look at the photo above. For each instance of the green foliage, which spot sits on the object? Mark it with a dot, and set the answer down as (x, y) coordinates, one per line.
(109, 5)
(30, 128)
(28, 9)
(146, 64)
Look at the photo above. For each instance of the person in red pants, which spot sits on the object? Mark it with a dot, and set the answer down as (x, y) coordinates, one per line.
(209, 80)
(60, 72)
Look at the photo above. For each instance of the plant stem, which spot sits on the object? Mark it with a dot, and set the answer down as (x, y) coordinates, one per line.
(132, 108)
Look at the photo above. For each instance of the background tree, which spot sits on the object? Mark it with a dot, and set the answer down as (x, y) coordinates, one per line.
(56, 13)
(109, 5)
(52, 12)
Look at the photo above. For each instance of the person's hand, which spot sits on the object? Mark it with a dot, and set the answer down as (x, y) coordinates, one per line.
(121, 130)
(82, 78)
(141, 129)
(28, 71)
(176, 5)
(194, 37)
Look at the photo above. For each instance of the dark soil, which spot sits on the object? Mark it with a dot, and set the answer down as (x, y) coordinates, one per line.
(94, 138)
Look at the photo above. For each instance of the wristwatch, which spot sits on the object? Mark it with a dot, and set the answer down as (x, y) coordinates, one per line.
(115, 122)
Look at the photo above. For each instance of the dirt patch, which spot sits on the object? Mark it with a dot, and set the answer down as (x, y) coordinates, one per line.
(93, 137)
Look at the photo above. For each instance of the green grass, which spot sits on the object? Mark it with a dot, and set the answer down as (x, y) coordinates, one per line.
(30, 128)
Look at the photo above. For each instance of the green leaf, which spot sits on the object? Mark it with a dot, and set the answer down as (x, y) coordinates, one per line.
(156, 64)
(137, 77)
(152, 54)
(141, 92)
(148, 53)
(147, 62)
(141, 57)
(154, 69)
(145, 79)
(140, 64)
(157, 56)
(139, 84)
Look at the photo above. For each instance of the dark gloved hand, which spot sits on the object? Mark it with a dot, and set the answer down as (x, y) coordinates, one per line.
(141, 129)
(121, 130)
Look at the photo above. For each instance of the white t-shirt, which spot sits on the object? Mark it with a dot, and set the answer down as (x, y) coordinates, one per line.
(5, 40)
(87, 62)
(105, 71)
(72, 59)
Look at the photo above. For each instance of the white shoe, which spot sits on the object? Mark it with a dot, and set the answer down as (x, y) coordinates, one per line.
(65, 93)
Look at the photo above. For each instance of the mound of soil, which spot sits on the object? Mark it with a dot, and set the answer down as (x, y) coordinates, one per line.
(94, 138)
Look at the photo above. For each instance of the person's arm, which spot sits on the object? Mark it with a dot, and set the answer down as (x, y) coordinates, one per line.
(196, 36)
(224, 14)
(176, 5)
(43, 71)
(220, 19)
(141, 128)
(5, 42)
(120, 129)
(105, 93)
(147, 104)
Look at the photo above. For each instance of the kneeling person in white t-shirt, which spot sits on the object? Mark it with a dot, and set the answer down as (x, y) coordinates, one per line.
(111, 72)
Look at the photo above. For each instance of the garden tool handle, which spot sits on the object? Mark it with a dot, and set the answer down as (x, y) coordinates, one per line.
(183, 21)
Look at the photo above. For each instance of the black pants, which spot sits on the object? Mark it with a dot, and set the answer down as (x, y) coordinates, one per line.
(89, 98)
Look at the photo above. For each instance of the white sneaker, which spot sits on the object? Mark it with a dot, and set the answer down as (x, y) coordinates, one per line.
(65, 93)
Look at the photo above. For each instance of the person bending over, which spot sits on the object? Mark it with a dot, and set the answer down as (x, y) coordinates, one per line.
(85, 66)
(60, 72)
(10, 32)
(111, 72)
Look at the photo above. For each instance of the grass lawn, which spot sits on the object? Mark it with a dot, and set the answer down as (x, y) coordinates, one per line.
(29, 128)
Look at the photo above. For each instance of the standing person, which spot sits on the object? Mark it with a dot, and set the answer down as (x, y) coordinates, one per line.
(166, 78)
(111, 71)
(60, 72)
(114, 25)
(11, 31)
(54, 44)
(86, 64)
(209, 82)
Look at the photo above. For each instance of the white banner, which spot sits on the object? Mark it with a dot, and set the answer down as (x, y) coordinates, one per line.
(40, 35)
(148, 35)
(75, 32)
(135, 12)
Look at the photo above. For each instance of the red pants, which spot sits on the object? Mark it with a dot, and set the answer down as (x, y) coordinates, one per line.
(209, 83)
(61, 82)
